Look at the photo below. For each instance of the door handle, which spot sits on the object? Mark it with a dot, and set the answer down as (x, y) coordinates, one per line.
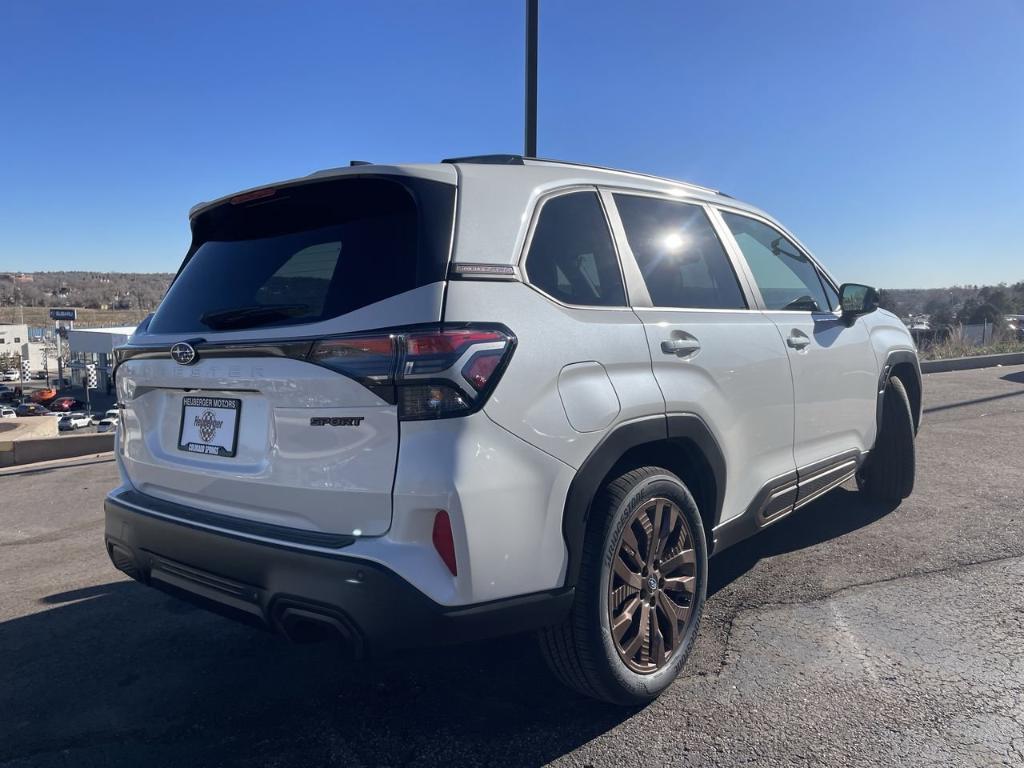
(680, 347)
(797, 340)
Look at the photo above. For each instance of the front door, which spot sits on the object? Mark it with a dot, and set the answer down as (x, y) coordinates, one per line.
(835, 376)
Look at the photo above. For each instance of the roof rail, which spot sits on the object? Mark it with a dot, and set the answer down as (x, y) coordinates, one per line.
(521, 160)
(487, 159)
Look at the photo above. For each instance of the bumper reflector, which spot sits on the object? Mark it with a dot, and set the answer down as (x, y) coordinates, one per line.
(443, 541)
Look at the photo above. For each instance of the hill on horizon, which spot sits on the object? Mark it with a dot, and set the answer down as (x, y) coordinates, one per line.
(108, 298)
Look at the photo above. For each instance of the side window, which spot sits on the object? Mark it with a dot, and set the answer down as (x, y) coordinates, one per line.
(679, 254)
(787, 279)
(830, 293)
(571, 255)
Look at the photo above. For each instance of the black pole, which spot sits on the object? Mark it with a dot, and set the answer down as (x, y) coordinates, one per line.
(531, 77)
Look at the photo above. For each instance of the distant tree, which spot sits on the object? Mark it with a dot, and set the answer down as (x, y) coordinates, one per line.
(940, 311)
(941, 317)
(986, 313)
(886, 300)
(997, 297)
(1015, 298)
(966, 310)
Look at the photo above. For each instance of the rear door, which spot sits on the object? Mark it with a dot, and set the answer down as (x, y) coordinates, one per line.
(713, 354)
(835, 374)
(228, 406)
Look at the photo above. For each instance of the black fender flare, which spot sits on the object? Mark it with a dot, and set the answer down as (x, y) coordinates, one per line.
(894, 358)
(624, 437)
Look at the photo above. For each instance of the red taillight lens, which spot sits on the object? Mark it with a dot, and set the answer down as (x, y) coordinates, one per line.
(449, 342)
(444, 543)
(365, 359)
(481, 367)
(431, 374)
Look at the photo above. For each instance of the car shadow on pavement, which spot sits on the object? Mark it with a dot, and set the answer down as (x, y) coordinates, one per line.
(836, 514)
(118, 674)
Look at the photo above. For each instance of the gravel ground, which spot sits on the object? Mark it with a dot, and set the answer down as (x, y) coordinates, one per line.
(849, 634)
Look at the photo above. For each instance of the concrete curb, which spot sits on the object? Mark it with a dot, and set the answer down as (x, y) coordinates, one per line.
(46, 466)
(967, 363)
(18, 452)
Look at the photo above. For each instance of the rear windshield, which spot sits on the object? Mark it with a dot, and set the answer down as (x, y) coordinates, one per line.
(309, 253)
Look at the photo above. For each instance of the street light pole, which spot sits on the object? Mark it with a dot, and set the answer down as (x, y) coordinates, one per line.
(532, 12)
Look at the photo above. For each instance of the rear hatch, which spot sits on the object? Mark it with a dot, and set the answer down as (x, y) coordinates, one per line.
(253, 391)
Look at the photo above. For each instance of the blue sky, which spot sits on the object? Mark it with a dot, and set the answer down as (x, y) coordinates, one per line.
(888, 135)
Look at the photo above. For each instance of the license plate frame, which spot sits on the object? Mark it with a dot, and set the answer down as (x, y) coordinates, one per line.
(207, 428)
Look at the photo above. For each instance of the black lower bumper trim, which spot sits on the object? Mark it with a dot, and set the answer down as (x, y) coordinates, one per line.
(297, 592)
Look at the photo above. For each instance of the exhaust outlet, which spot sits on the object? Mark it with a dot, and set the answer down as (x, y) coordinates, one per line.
(304, 624)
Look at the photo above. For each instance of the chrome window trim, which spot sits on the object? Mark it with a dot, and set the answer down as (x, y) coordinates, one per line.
(637, 294)
(642, 294)
(538, 207)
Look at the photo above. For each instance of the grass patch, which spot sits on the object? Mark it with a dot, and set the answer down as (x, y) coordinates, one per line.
(956, 344)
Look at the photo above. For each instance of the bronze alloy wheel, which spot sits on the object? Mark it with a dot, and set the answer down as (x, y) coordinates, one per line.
(652, 585)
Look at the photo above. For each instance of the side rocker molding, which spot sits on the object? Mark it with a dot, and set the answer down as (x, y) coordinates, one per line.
(785, 494)
(615, 445)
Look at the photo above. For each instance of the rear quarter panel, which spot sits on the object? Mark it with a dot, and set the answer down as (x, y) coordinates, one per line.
(553, 342)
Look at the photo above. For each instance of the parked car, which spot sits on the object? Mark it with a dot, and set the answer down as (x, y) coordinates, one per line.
(66, 404)
(7, 413)
(545, 413)
(11, 375)
(107, 424)
(43, 395)
(112, 413)
(39, 376)
(33, 409)
(73, 421)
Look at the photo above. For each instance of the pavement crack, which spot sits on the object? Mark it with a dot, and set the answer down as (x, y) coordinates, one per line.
(727, 650)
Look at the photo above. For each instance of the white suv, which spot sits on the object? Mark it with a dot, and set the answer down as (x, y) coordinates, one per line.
(72, 421)
(425, 403)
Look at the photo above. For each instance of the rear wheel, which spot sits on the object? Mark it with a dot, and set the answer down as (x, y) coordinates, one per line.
(640, 594)
(889, 473)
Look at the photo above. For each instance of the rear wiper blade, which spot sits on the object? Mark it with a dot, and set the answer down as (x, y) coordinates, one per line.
(255, 314)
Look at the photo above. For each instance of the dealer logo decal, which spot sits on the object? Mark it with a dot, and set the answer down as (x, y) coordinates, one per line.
(208, 425)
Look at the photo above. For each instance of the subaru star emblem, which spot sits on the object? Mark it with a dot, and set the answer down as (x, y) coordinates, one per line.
(183, 353)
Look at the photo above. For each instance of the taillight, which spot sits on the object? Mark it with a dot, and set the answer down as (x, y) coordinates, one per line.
(431, 374)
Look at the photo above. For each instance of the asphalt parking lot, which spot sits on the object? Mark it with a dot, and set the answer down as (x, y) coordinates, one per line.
(850, 635)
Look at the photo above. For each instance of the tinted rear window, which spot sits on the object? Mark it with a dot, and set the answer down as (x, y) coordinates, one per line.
(309, 253)
(572, 256)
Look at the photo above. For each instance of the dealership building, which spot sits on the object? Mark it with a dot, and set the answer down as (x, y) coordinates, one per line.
(15, 344)
(96, 346)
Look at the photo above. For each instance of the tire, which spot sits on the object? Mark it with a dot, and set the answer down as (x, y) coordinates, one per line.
(889, 473)
(590, 654)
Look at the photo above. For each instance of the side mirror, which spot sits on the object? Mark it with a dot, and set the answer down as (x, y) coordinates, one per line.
(857, 300)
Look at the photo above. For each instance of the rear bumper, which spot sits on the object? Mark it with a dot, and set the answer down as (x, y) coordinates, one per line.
(301, 593)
